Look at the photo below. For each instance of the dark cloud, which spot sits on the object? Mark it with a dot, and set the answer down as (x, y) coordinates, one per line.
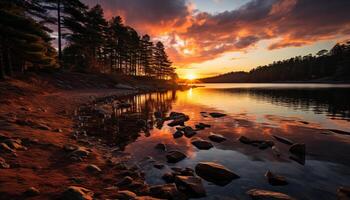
(146, 15)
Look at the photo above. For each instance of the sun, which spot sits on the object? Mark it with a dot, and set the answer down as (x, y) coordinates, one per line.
(191, 77)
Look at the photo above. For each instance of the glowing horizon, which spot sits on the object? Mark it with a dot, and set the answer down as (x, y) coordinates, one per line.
(211, 37)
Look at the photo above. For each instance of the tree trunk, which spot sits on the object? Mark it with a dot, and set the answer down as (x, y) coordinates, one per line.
(59, 32)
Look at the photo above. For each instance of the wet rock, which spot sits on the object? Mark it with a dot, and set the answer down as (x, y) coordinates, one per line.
(202, 144)
(161, 146)
(175, 156)
(217, 115)
(343, 193)
(216, 138)
(168, 177)
(126, 181)
(179, 121)
(190, 185)
(215, 173)
(245, 140)
(31, 192)
(202, 126)
(159, 165)
(93, 168)
(275, 180)
(126, 195)
(283, 140)
(178, 134)
(77, 193)
(141, 123)
(268, 195)
(166, 191)
(298, 149)
(265, 145)
(3, 164)
(189, 132)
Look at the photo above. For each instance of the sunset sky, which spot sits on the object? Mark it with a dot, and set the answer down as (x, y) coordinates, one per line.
(209, 37)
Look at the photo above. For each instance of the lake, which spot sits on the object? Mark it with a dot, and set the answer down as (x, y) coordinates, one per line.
(317, 115)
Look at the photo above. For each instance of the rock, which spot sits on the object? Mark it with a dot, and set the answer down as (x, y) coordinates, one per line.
(161, 146)
(191, 185)
(77, 193)
(79, 153)
(3, 164)
(178, 134)
(268, 195)
(93, 168)
(58, 130)
(343, 193)
(158, 165)
(5, 148)
(275, 180)
(202, 144)
(141, 123)
(179, 121)
(126, 195)
(283, 140)
(298, 149)
(70, 147)
(3, 137)
(15, 144)
(126, 181)
(202, 126)
(175, 156)
(31, 192)
(168, 177)
(216, 138)
(216, 114)
(215, 173)
(146, 198)
(189, 132)
(166, 191)
(276, 151)
(245, 140)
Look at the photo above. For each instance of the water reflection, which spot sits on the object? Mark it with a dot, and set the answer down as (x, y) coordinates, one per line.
(302, 115)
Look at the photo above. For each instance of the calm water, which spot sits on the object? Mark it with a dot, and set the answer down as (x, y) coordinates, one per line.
(297, 111)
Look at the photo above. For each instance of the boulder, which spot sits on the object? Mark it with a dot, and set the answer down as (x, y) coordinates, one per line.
(93, 168)
(175, 156)
(178, 134)
(166, 191)
(275, 180)
(202, 126)
(190, 185)
(283, 140)
(215, 173)
(161, 146)
(268, 195)
(343, 193)
(3, 164)
(202, 144)
(126, 195)
(31, 192)
(189, 132)
(216, 114)
(216, 138)
(77, 193)
(298, 149)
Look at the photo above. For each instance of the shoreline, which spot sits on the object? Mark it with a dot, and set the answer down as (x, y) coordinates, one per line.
(47, 153)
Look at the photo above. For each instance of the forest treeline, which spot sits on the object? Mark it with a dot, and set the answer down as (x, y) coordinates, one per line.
(91, 42)
(328, 65)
